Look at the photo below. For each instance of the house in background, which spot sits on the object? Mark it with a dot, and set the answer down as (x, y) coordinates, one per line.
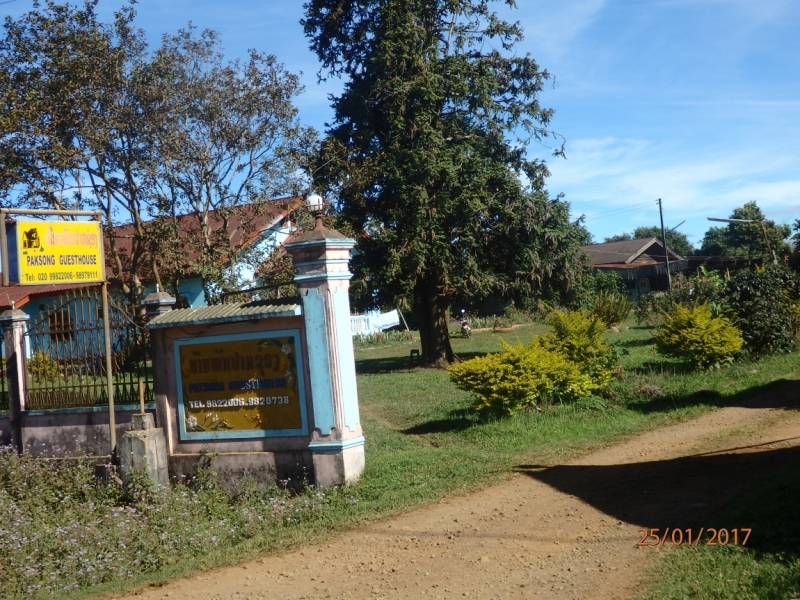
(261, 233)
(640, 264)
(48, 302)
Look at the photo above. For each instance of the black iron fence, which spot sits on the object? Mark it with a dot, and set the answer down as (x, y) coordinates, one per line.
(66, 362)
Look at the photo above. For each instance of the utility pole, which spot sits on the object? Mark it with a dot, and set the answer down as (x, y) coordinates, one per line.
(664, 241)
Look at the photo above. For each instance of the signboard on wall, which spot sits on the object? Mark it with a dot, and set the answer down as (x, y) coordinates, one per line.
(44, 252)
(240, 386)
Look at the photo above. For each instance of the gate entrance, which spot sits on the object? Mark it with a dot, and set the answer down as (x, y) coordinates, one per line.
(66, 356)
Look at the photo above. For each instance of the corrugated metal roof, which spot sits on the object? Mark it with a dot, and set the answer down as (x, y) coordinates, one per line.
(625, 251)
(224, 313)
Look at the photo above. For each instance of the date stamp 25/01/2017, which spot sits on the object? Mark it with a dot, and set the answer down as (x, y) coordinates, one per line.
(678, 537)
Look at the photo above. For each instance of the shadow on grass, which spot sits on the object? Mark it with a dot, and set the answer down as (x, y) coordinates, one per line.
(400, 363)
(384, 365)
(634, 343)
(782, 393)
(455, 421)
(660, 367)
(685, 492)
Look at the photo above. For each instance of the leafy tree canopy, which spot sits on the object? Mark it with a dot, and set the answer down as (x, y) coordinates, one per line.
(676, 241)
(747, 240)
(427, 155)
(92, 119)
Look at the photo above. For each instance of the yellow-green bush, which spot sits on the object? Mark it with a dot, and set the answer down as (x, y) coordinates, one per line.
(578, 336)
(521, 377)
(611, 308)
(43, 367)
(694, 334)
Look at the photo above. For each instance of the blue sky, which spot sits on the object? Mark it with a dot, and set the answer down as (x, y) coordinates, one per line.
(693, 101)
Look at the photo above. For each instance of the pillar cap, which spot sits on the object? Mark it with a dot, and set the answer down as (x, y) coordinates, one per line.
(14, 314)
(159, 298)
(319, 237)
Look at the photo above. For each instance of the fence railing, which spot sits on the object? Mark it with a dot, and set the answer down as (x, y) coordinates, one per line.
(66, 364)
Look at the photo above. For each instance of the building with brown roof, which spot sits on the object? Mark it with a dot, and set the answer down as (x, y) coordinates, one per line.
(640, 263)
(262, 230)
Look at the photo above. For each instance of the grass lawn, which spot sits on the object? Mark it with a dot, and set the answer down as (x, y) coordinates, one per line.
(424, 442)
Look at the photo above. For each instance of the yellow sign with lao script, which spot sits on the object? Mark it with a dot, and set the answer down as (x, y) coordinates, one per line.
(44, 252)
(239, 388)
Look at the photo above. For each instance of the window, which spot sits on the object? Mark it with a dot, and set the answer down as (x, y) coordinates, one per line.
(60, 324)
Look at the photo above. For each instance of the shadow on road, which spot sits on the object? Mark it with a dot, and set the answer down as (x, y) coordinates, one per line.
(681, 492)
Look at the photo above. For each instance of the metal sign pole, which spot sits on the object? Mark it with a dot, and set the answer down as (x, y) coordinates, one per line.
(112, 425)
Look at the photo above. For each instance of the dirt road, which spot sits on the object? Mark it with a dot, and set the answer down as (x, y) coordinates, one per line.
(565, 531)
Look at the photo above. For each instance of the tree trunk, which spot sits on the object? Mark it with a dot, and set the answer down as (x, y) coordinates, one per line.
(430, 308)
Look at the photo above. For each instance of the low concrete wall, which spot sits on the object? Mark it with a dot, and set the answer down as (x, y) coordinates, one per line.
(265, 469)
(70, 431)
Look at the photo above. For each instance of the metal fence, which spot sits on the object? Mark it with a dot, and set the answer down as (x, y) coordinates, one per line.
(65, 349)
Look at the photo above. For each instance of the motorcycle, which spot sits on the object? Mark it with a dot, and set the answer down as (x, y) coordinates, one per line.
(466, 330)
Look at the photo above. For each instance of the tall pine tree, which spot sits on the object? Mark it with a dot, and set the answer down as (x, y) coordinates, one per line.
(427, 155)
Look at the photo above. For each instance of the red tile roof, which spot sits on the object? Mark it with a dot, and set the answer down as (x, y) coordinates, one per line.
(22, 294)
(243, 229)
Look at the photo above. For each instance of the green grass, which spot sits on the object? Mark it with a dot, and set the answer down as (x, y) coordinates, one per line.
(424, 442)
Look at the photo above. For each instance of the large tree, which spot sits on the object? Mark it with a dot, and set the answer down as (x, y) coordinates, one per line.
(427, 155)
(232, 142)
(77, 109)
(676, 241)
(92, 119)
(747, 240)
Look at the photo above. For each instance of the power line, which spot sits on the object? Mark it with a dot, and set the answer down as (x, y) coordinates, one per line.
(618, 210)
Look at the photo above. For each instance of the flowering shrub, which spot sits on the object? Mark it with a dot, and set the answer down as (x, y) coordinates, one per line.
(696, 335)
(521, 377)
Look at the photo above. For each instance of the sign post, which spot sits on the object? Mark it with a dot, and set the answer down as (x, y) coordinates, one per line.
(58, 252)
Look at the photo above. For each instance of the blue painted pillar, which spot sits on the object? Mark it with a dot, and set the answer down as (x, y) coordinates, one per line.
(321, 258)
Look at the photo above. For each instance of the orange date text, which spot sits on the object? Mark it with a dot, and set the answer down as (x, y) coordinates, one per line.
(704, 536)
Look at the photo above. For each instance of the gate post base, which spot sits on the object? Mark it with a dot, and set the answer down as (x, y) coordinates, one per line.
(144, 449)
(337, 463)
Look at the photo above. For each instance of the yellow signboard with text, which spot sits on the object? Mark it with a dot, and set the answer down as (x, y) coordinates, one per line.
(243, 385)
(44, 252)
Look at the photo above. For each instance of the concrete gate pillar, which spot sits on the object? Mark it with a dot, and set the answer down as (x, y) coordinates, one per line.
(14, 323)
(321, 258)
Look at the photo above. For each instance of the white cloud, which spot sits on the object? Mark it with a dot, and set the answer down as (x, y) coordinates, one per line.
(552, 26)
(607, 174)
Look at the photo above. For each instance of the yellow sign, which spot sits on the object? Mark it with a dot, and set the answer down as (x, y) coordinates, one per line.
(234, 387)
(44, 252)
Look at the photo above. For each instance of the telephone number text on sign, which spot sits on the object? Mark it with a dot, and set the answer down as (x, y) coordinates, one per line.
(256, 401)
(61, 276)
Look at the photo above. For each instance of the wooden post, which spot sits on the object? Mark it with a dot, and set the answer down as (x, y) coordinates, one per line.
(141, 395)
